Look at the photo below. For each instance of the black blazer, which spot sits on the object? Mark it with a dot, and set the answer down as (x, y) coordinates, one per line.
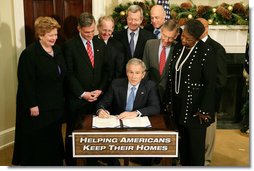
(115, 59)
(144, 35)
(146, 100)
(40, 83)
(149, 27)
(81, 75)
(197, 85)
(221, 64)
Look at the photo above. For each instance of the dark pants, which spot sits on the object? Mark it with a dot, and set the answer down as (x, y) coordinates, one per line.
(192, 146)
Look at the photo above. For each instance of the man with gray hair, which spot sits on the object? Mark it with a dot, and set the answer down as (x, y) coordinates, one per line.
(157, 55)
(116, 100)
(87, 76)
(134, 37)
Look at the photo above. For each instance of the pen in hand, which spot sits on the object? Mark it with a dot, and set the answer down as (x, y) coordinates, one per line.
(103, 113)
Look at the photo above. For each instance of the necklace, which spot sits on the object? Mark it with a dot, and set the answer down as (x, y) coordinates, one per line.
(178, 68)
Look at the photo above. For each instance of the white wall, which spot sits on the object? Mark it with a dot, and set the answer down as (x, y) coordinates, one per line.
(11, 43)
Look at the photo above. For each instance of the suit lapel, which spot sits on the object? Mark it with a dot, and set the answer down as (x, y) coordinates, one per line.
(165, 70)
(139, 95)
(126, 43)
(155, 61)
(123, 94)
(82, 50)
(139, 42)
(96, 53)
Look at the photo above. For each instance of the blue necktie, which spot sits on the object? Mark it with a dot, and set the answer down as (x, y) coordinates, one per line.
(131, 99)
(132, 43)
(156, 32)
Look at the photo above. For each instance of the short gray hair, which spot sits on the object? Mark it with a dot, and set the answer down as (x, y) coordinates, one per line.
(105, 18)
(136, 61)
(86, 19)
(134, 9)
(171, 25)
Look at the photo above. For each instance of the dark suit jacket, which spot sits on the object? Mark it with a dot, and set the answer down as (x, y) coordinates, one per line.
(149, 27)
(151, 59)
(146, 100)
(115, 58)
(144, 35)
(81, 75)
(40, 83)
(221, 64)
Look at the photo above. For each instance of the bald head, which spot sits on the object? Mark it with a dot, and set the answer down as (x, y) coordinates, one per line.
(205, 24)
(158, 16)
(203, 21)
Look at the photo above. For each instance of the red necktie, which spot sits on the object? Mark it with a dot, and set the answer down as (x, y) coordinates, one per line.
(162, 59)
(90, 52)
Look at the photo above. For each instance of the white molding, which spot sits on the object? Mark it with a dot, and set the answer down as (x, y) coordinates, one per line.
(19, 26)
(7, 137)
(98, 8)
(232, 37)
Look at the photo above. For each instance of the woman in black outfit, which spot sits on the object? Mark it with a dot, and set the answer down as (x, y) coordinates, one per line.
(41, 72)
(191, 86)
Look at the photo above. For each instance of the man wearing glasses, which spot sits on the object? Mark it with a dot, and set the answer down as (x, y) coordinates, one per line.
(157, 55)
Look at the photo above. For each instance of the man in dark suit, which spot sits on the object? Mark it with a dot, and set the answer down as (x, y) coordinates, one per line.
(221, 79)
(158, 18)
(134, 38)
(157, 67)
(116, 99)
(115, 60)
(87, 75)
(131, 97)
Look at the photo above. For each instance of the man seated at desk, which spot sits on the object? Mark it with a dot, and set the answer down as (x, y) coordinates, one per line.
(132, 96)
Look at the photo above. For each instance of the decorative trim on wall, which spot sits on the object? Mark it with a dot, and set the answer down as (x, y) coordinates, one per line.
(232, 37)
(19, 26)
(98, 9)
(7, 137)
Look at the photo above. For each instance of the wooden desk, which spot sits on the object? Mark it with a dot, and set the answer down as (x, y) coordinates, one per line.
(158, 122)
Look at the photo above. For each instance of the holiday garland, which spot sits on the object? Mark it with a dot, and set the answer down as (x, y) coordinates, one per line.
(224, 14)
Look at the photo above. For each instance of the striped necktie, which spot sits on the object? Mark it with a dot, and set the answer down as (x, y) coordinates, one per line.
(90, 52)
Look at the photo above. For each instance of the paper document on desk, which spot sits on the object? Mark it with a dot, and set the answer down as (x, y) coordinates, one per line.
(111, 122)
(137, 122)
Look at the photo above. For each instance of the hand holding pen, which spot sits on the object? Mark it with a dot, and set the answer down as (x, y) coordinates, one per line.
(103, 113)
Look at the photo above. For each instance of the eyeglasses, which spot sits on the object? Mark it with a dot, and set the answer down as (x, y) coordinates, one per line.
(167, 37)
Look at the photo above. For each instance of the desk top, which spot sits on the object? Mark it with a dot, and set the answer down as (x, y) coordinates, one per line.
(158, 122)
(155, 141)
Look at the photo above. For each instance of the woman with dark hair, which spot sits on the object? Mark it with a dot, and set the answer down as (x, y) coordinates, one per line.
(191, 88)
(40, 99)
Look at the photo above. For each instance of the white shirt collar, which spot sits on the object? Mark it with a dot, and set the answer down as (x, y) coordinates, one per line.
(205, 38)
